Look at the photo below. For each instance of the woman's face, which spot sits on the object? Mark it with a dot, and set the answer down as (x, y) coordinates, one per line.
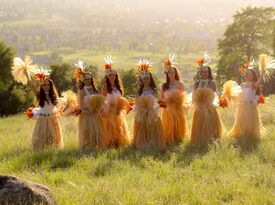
(46, 86)
(146, 81)
(112, 78)
(171, 74)
(87, 79)
(249, 76)
(204, 74)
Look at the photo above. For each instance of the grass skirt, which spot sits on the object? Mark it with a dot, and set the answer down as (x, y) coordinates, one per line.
(173, 117)
(116, 129)
(47, 132)
(247, 122)
(91, 133)
(206, 123)
(147, 128)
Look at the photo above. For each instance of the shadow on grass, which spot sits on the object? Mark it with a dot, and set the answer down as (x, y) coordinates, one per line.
(25, 158)
(52, 159)
(247, 146)
(190, 152)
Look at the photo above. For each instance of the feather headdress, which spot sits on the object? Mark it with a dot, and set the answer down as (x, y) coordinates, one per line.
(204, 61)
(169, 63)
(79, 70)
(41, 74)
(109, 65)
(266, 67)
(143, 68)
(20, 68)
(246, 66)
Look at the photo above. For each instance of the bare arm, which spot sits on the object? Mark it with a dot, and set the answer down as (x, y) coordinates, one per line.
(34, 88)
(104, 90)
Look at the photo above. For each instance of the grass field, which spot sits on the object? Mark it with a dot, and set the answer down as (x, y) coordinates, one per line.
(124, 60)
(227, 172)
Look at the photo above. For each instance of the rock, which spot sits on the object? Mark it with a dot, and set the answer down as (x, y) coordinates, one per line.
(17, 191)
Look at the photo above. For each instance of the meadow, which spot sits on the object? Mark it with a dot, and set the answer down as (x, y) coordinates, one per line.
(224, 172)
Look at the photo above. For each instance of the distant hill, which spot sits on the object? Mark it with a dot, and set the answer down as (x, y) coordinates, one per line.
(143, 25)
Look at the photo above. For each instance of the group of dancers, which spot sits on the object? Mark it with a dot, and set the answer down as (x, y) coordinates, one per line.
(158, 121)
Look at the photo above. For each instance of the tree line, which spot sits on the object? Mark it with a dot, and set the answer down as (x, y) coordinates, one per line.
(251, 33)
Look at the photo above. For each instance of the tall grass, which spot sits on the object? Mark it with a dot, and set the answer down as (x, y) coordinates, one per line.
(225, 172)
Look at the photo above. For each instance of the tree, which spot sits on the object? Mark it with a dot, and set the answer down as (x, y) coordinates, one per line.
(249, 35)
(14, 97)
(62, 76)
(129, 79)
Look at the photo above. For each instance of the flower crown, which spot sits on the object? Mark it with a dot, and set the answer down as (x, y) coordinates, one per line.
(204, 61)
(109, 65)
(143, 68)
(169, 63)
(248, 65)
(79, 70)
(41, 73)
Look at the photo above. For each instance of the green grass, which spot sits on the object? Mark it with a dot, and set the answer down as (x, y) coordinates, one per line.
(124, 60)
(226, 172)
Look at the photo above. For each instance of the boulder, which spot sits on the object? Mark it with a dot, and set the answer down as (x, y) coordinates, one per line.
(17, 191)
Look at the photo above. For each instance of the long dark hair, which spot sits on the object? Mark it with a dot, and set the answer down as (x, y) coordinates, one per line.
(118, 84)
(41, 97)
(255, 79)
(141, 85)
(81, 84)
(165, 85)
(210, 75)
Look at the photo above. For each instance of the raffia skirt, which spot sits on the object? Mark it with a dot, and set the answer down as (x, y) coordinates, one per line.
(91, 132)
(247, 122)
(206, 122)
(147, 128)
(47, 132)
(173, 117)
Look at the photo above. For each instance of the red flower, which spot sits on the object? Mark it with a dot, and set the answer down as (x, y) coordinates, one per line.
(29, 113)
(261, 99)
(200, 61)
(108, 66)
(78, 72)
(162, 104)
(223, 102)
(40, 75)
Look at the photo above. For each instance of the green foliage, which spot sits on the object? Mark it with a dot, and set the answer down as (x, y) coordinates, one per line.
(62, 74)
(249, 35)
(13, 96)
(129, 81)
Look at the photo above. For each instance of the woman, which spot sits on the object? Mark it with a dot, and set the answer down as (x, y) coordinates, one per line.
(147, 129)
(172, 95)
(206, 123)
(247, 121)
(90, 126)
(116, 129)
(47, 130)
